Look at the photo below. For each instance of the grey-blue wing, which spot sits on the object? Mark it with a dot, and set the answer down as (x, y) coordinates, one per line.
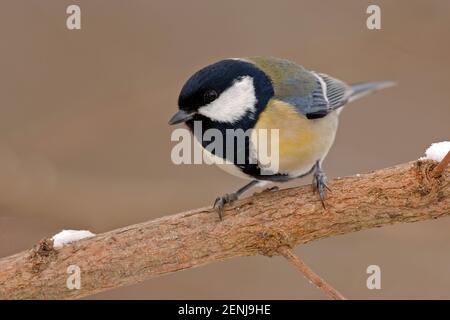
(313, 94)
(328, 94)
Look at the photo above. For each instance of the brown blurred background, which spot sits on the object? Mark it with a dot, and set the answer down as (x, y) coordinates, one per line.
(84, 140)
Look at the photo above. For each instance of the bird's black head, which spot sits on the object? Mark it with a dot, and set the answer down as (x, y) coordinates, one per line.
(225, 92)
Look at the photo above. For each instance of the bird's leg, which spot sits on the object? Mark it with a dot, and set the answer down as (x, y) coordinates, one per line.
(319, 183)
(230, 197)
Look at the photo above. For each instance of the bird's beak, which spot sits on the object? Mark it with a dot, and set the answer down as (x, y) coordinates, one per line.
(181, 116)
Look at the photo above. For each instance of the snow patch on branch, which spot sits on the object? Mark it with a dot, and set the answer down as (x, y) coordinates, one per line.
(437, 151)
(68, 236)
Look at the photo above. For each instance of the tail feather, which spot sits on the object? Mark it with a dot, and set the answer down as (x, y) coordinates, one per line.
(359, 90)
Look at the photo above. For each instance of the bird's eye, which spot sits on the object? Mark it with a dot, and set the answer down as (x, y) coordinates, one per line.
(210, 96)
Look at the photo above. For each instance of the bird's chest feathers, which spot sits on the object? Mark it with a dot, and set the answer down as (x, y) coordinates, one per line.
(301, 141)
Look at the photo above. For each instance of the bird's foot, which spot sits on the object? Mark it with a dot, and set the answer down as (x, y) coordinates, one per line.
(272, 189)
(319, 185)
(220, 202)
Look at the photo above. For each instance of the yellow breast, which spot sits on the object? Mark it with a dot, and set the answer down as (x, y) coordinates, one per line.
(302, 141)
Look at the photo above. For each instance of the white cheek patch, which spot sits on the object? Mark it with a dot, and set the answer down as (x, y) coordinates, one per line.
(233, 103)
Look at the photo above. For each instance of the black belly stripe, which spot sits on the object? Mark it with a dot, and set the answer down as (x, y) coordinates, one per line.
(255, 172)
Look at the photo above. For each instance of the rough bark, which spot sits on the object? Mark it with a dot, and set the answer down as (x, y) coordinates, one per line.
(258, 225)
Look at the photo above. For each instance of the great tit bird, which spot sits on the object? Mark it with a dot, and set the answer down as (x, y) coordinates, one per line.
(269, 93)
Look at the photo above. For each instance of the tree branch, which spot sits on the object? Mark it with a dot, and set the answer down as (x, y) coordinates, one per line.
(309, 274)
(258, 225)
(437, 171)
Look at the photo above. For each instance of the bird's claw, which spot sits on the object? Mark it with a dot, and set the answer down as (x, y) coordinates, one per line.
(220, 202)
(320, 185)
(272, 189)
